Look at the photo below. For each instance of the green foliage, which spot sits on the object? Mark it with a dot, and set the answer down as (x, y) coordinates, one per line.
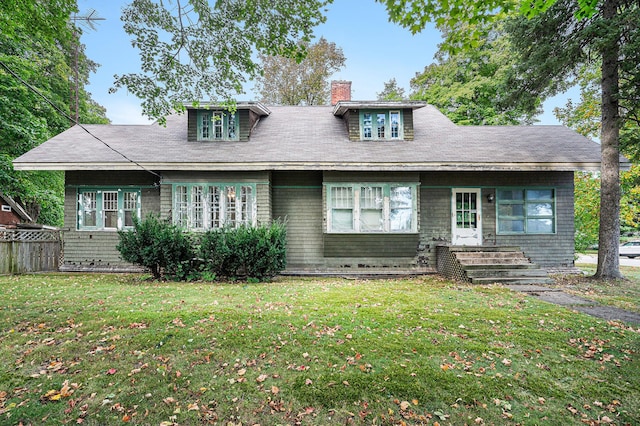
(36, 44)
(587, 210)
(290, 81)
(391, 91)
(472, 87)
(255, 252)
(158, 246)
(170, 253)
(196, 50)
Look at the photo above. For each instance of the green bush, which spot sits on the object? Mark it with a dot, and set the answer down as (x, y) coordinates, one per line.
(159, 246)
(258, 252)
(168, 252)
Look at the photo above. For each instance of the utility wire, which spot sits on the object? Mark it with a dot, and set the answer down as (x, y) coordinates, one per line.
(64, 114)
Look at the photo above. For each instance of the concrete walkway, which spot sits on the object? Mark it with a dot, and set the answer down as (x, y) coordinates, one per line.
(580, 304)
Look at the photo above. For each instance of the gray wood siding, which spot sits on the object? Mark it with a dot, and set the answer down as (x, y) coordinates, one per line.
(97, 249)
(547, 250)
(407, 120)
(371, 245)
(297, 199)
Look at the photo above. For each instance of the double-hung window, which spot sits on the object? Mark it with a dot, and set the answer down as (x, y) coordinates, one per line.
(217, 125)
(202, 206)
(375, 207)
(526, 211)
(107, 209)
(380, 125)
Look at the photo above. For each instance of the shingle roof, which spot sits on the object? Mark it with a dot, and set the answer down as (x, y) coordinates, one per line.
(311, 137)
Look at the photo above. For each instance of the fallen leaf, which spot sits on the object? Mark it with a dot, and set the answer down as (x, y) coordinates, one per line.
(404, 405)
(275, 390)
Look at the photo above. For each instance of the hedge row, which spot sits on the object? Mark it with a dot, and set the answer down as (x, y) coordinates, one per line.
(229, 253)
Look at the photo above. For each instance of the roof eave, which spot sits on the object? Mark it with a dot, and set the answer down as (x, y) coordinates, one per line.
(320, 165)
(343, 106)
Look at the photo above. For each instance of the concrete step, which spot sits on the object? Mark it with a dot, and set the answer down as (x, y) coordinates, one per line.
(524, 273)
(512, 280)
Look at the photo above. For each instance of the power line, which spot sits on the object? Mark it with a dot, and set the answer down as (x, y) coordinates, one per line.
(64, 114)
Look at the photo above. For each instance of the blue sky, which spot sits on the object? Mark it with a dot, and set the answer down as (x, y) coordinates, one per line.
(376, 51)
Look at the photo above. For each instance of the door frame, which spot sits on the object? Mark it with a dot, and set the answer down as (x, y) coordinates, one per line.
(466, 236)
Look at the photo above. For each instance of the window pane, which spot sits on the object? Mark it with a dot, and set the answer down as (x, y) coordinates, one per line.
(342, 220)
(89, 201)
(110, 209)
(214, 207)
(230, 206)
(371, 220)
(246, 205)
(342, 197)
(231, 126)
(511, 194)
(367, 125)
(217, 125)
(511, 210)
(401, 214)
(394, 117)
(539, 209)
(380, 122)
(539, 194)
(197, 207)
(371, 197)
(540, 226)
(371, 204)
(506, 225)
(205, 120)
(130, 205)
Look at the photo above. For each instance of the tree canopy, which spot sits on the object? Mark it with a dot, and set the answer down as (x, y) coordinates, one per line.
(35, 47)
(192, 51)
(391, 91)
(291, 81)
(471, 86)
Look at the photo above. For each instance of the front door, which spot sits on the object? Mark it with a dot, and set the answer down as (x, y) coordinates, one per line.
(466, 217)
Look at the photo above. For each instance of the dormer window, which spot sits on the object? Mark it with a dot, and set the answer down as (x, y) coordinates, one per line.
(217, 126)
(380, 125)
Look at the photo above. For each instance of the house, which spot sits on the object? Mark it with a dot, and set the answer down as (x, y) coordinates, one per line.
(11, 212)
(361, 184)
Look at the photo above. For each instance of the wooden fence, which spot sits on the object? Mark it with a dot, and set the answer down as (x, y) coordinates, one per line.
(23, 251)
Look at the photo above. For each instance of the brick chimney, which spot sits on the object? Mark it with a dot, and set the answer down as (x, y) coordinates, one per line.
(340, 91)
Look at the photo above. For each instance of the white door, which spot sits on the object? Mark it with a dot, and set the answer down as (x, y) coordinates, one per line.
(466, 217)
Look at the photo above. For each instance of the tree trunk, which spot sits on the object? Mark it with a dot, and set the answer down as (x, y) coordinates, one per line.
(608, 252)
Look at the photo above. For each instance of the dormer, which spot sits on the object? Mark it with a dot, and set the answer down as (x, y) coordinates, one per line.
(378, 120)
(215, 123)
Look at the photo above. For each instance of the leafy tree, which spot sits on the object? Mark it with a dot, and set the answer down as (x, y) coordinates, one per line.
(471, 86)
(192, 50)
(584, 117)
(556, 38)
(391, 92)
(586, 209)
(35, 44)
(289, 81)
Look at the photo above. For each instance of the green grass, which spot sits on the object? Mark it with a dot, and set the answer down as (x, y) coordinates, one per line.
(110, 349)
(624, 294)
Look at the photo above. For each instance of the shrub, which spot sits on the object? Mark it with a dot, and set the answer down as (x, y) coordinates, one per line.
(258, 252)
(159, 246)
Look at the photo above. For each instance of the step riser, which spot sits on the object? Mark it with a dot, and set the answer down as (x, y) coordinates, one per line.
(503, 265)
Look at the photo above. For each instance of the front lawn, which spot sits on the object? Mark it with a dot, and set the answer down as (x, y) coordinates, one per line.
(112, 349)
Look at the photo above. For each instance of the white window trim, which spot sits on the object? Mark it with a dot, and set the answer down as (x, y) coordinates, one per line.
(386, 211)
(221, 208)
(6, 208)
(99, 226)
